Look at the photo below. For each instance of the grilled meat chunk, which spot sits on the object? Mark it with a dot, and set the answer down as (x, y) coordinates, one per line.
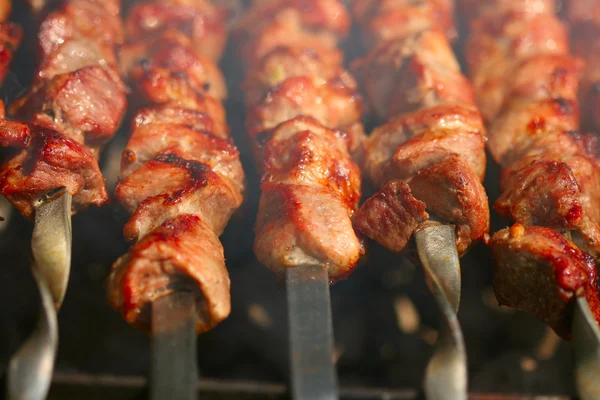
(49, 162)
(492, 63)
(391, 216)
(182, 254)
(410, 73)
(301, 224)
(539, 271)
(453, 193)
(86, 105)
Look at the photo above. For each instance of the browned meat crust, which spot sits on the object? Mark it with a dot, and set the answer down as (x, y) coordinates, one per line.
(526, 83)
(304, 118)
(181, 177)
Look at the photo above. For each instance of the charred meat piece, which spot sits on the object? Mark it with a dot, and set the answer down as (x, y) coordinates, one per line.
(51, 161)
(86, 105)
(391, 216)
(182, 254)
(539, 271)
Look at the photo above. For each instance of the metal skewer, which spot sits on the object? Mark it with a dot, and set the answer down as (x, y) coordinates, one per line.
(310, 333)
(174, 372)
(446, 373)
(586, 343)
(30, 369)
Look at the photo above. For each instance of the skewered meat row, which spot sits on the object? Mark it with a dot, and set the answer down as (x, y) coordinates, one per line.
(10, 38)
(181, 177)
(520, 61)
(428, 158)
(74, 106)
(304, 120)
(584, 16)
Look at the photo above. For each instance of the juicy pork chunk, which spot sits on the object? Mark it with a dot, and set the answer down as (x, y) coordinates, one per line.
(539, 271)
(492, 63)
(410, 73)
(183, 254)
(50, 161)
(86, 105)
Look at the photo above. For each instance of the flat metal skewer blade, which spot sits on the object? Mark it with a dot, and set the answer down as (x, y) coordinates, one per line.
(30, 369)
(446, 374)
(311, 333)
(174, 371)
(586, 342)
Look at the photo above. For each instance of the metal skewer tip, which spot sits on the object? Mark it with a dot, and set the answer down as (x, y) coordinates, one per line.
(311, 333)
(446, 374)
(30, 369)
(586, 342)
(174, 372)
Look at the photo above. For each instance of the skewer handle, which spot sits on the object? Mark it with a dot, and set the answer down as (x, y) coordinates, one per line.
(446, 374)
(174, 371)
(311, 333)
(586, 342)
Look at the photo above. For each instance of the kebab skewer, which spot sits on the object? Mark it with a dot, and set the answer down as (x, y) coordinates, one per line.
(181, 180)
(304, 123)
(528, 81)
(49, 167)
(427, 158)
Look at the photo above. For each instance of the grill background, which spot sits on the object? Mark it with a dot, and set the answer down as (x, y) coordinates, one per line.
(374, 351)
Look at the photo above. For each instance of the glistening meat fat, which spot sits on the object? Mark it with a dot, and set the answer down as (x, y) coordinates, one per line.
(74, 106)
(428, 157)
(304, 120)
(181, 177)
(527, 82)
